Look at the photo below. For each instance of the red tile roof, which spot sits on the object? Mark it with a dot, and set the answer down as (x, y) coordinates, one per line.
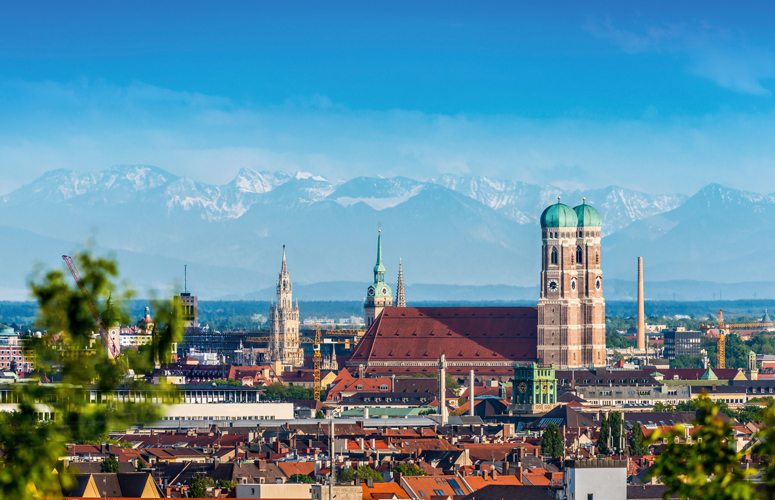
(474, 334)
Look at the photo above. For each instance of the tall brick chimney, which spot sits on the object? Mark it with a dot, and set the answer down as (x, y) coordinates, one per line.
(641, 311)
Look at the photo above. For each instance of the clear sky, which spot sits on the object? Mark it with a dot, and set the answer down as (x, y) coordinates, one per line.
(657, 96)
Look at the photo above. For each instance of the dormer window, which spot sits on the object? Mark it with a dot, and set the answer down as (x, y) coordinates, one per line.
(359, 387)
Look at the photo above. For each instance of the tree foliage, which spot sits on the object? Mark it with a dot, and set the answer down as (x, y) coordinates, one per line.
(363, 473)
(110, 464)
(280, 391)
(140, 465)
(663, 407)
(32, 447)
(300, 478)
(197, 486)
(551, 441)
(708, 467)
(410, 470)
(683, 361)
(638, 447)
(611, 440)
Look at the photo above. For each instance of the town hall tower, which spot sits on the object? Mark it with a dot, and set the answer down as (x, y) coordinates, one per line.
(378, 295)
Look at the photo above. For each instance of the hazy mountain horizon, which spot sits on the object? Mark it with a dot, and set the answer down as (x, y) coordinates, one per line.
(457, 235)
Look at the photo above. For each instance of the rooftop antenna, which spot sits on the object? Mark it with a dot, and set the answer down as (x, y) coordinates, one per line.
(185, 278)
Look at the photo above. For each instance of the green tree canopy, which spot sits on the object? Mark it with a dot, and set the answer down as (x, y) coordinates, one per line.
(410, 470)
(708, 467)
(300, 478)
(551, 441)
(638, 447)
(110, 464)
(363, 473)
(197, 486)
(32, 448)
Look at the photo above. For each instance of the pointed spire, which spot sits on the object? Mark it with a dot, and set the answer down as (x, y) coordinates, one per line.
(379, 268)
(400, 298)
(284, 269)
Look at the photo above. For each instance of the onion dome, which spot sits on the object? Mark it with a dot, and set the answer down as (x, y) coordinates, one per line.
(558, 215)
(111, 317)
(587, 215)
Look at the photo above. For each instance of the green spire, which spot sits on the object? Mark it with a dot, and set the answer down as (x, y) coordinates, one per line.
(379, 268)
(110, 316)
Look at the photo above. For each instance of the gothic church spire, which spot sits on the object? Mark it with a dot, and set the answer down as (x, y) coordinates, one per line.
(400, 299)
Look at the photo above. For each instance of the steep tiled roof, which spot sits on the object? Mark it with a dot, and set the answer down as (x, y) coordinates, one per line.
(461, 333)
(380, 490)
(512, 492)
(479, 482)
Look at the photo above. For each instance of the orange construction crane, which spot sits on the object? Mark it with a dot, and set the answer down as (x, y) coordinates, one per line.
(110, 343)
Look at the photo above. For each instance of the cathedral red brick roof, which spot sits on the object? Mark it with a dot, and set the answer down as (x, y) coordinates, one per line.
(467, 334)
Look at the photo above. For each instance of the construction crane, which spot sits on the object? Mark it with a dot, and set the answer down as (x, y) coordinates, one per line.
(110, 343)
(316, 358)
(723, 328)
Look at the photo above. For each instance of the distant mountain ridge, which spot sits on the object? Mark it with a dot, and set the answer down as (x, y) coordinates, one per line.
(463, 231)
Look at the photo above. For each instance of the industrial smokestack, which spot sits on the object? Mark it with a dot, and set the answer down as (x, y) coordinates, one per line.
(641, 313)
(471, 393)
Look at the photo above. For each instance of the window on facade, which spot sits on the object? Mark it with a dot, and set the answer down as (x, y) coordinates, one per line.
(554, 255)
(579, 255)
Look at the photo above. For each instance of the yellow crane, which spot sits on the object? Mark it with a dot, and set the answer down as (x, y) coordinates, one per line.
(723, 328)
(317, 358)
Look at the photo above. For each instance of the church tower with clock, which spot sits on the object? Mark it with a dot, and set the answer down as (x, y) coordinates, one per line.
(571, 308)
(378, 295)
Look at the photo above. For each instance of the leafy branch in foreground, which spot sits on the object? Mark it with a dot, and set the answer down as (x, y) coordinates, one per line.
(82, 404)
(705, 464)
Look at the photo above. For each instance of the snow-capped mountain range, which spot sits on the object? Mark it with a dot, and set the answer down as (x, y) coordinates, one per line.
(455, 230)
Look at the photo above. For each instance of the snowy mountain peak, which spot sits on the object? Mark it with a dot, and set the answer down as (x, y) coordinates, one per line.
(250, 181)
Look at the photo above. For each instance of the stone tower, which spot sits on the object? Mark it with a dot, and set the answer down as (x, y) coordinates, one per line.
(379, 295)
(571, 309)
(590, 285)
(284, 323)
(400, 298)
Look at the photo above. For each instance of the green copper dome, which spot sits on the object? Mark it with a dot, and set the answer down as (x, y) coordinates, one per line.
(588, 216)
(111, 317)
(558, 215)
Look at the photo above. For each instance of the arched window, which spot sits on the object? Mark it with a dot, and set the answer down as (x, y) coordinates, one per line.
(554, 255)
(579, 255)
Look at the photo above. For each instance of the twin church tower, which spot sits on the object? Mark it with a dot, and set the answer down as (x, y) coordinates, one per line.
(571, 307)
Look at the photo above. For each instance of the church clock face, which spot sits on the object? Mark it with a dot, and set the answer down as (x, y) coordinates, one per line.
(384, 290)
(371, 291)
(598, 283)
(553, 286)
(522, 387)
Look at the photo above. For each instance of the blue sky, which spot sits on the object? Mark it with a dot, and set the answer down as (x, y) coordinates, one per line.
(657, 96)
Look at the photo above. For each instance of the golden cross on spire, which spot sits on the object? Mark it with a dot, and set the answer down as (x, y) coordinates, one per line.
(379, 227)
